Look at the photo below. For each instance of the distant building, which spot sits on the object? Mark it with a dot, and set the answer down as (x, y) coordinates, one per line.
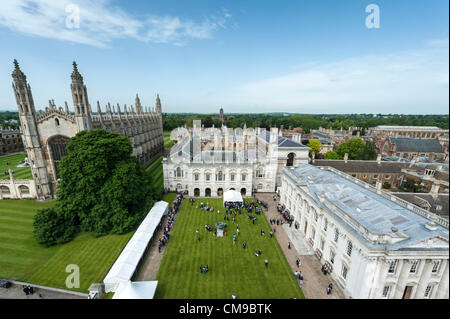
(423, 132)
(205, 162)
(411, 148)
(10, 141)
(378, 173)
(376, 245)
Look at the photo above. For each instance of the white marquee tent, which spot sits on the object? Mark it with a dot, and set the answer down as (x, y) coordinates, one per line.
(123, 269)
(136, 290)
(232, 196)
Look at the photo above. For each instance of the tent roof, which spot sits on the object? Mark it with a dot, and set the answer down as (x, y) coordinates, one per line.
(125, 266)
(232, 196)
(136, 290)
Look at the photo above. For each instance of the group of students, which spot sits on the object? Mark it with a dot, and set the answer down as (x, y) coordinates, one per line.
(170, 221)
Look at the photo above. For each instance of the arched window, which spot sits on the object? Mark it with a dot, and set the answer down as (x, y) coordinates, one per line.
(290, 159)
(208, 177)
(179, 172)
(208, 192)
(220, 176)
(56, 121)
(244, 177)
(196, 192)
(260, 172)
(5, 190)
(196, 176)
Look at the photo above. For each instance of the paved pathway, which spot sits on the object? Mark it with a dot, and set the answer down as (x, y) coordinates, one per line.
(153, 259)
(315, 282)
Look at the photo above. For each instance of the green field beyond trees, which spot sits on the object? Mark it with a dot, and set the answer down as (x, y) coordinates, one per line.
(23, 259)
(232, 269)
(14, 160)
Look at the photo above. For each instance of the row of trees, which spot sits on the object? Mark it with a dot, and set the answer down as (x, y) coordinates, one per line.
(307, 121)
(102, 189)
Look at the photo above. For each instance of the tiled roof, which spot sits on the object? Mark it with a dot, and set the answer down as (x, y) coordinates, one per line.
(417, 145)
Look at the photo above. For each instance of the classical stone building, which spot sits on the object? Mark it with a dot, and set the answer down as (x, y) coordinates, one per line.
(47, 133)
(207, 162)
(375, 244)
(10, 141)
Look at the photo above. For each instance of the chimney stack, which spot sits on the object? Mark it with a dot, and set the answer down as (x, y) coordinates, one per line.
(379, 159)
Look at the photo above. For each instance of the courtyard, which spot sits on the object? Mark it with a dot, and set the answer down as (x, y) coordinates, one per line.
(233, 270)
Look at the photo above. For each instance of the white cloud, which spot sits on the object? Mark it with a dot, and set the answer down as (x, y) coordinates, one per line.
(408, 82)
(101, 23)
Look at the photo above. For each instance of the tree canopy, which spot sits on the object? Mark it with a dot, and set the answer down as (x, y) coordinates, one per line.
(102, 189)
(315, 146)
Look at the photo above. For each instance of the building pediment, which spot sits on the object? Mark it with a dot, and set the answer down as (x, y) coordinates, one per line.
(433, 242)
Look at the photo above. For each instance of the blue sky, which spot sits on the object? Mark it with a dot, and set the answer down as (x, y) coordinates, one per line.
(245, 56)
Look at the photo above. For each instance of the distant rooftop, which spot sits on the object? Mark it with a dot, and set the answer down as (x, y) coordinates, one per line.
(409, 128)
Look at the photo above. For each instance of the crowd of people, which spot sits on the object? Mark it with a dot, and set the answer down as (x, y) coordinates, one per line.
(173, 210)
(281, 209)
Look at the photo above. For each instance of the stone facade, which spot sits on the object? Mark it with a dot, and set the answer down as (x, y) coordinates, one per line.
(208, 162)
(17, 189)
(376, 245)
(10, 141)
(46, 133)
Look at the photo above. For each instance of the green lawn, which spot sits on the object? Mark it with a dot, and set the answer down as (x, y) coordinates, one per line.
(167, 141)
(156, 171)
(14, 160)
(232, 269)
(23, 259)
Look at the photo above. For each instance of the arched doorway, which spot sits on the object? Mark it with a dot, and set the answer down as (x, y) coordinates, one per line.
(290, 159)
(208, 192)
(197, 192)
(220, 192)
(57, 149)
(243, 191)
(24, 190)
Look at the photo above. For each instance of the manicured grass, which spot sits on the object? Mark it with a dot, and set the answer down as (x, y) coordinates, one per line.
(23, 259)
(167, 141)
(14, 160)
(156, 171)
(232, 269)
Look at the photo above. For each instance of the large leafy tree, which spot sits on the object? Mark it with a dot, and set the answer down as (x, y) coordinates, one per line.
(370, 151)
(354, 147)
(102, 187)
